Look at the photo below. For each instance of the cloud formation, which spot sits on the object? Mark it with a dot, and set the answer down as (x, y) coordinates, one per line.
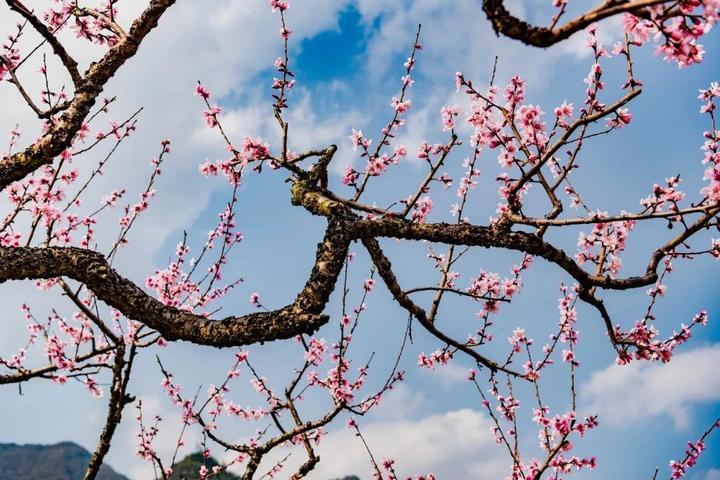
(453, 444)
(626, 394)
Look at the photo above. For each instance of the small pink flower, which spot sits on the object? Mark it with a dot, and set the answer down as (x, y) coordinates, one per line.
(202, 92)
(255, 299)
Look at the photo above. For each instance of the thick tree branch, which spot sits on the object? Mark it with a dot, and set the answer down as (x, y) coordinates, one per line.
(505, 23)
(61, 134)
(91, 268)
(488, 237)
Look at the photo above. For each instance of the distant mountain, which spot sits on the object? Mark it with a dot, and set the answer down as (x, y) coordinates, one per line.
(63, 461)
(188, 468)
(68, 461)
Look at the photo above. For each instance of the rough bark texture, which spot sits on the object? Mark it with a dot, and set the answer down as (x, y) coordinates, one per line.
(118, 399)
(92, 269)
(489, 237)
(505, 23)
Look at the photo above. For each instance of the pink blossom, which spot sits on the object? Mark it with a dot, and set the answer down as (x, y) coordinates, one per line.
(422, 209)
(255, 299)
(211, 116)
(278, 5)
(202, 92)
(400, 106)
(449, 113)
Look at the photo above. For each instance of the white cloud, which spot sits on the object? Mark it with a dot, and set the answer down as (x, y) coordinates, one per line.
(308, 130)
(401, 403)
(712, 474)
(469, 45)
(625, 394)
(454, 444)
(609, 32)
(448, 442)
(450, 375)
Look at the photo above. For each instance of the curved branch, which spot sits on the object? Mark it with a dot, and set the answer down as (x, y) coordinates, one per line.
(590, 220)
(505, 23)
(119, 398)
(482, 236)
(44, 372)
(303, 316)
(384, 267)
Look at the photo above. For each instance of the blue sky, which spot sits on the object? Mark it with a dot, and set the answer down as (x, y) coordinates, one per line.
(348, 59)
